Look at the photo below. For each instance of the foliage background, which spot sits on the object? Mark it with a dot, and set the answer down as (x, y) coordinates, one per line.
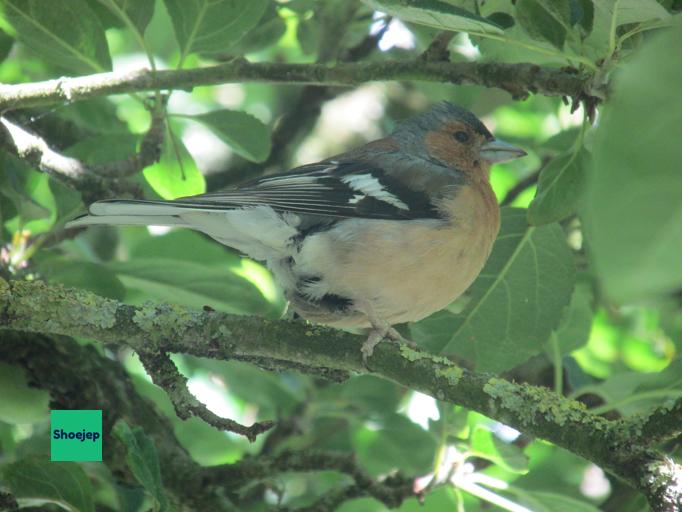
(583, 293)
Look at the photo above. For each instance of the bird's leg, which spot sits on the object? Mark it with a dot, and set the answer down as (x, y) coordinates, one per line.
(380, 330)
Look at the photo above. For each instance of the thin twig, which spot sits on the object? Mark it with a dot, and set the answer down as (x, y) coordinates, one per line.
(165, 374)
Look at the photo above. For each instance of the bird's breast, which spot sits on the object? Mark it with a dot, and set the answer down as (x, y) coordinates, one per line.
(406, 270)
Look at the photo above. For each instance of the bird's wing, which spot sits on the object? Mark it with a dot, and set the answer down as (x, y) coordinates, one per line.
(333, 189)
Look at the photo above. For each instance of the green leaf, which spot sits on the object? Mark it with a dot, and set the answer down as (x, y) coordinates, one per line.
(546, 21)
(142, 460)
(107, 148)
(71, 36)
(582, 13)
(139, 12)
(436, 14)
(561, 142)
(267, 32)
(30, 193)
(212, 26)
(190, 284)
(382, 450)
(85, 275)
(371, 395)
(20, 403)
(6, 43)
(576, 322)
(486, 445)
(633, 11)
(633, 210)
(308, 35)
(35, 481)
(245, 134)
(176, 174)
(191, 247)
(560, 188)
(514, 304)
(17, 183)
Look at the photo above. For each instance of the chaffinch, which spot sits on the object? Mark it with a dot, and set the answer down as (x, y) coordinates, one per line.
(387, 233)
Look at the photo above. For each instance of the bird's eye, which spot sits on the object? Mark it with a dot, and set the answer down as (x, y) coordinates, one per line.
(461, 137)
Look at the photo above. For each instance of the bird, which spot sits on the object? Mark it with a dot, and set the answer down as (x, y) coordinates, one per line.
(383, 234)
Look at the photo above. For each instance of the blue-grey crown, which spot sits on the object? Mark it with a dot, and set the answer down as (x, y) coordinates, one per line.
(441, 113)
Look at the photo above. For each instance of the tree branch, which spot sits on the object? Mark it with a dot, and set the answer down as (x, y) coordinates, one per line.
(662, 424)
(165, 374)
(37, 307)
(391, 491)
(517, 79)
(95, 181)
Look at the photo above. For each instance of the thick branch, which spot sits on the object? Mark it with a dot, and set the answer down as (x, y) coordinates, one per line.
(517, 79)
(663, 424)
(37, 307)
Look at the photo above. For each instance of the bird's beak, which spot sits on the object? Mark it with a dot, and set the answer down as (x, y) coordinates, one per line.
(497, 151)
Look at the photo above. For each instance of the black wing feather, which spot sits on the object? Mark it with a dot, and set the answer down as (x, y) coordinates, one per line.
(328, 189)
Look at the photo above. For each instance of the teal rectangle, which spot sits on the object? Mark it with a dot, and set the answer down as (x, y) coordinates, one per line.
(76, 435)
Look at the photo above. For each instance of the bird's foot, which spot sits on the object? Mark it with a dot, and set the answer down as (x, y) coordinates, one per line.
(376, 335)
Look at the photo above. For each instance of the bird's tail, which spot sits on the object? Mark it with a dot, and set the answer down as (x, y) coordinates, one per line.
(130, 213)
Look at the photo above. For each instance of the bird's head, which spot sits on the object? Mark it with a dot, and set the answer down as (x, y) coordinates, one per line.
(455, 137)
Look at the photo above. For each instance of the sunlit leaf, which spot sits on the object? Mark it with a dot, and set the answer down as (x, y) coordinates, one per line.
(436, 14)
(245, 134)
(210, 26)
(142, 460)
(515, 302)
(176, 174)
(633, 210)
(71, 36)
(35, 481)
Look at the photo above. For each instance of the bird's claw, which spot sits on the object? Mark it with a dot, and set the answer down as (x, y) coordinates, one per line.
(378, 334)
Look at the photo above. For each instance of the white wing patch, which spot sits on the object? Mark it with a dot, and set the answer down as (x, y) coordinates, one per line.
(370, 186)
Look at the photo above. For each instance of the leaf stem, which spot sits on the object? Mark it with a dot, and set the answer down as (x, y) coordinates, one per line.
(612, 30)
